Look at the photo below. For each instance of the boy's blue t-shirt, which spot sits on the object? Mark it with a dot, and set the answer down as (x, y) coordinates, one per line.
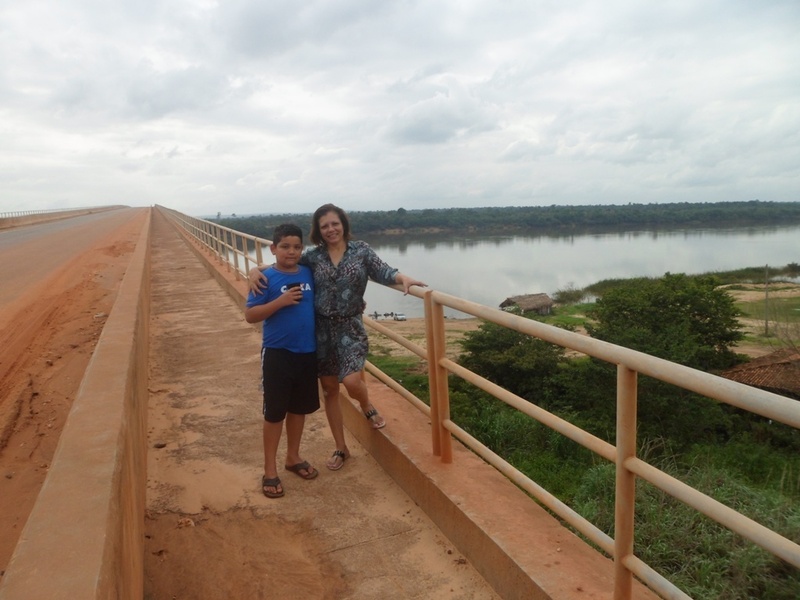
(291, 327)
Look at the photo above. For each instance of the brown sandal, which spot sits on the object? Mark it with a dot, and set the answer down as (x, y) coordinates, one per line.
(298, 469)
(273, 482)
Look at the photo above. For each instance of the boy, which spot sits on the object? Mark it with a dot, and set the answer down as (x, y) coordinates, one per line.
(288, 355)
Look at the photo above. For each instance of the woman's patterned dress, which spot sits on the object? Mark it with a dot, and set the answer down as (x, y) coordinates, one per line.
(342, 342)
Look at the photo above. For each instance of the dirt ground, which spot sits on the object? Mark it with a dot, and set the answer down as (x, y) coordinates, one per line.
(47, 336)
(51, 316)
(414, 331)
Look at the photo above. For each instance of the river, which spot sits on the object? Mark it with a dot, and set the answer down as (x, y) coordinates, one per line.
(488, 269)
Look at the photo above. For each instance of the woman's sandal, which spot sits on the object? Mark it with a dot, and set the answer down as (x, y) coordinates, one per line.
(375, 418)
(337, 459)
(273, 482)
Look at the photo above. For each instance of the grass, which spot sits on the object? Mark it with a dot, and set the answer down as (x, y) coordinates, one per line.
(404, 370)
(778, 323)
(762, 341)
(779, 310)
(755, 274)
(568, 315)
(701, 557)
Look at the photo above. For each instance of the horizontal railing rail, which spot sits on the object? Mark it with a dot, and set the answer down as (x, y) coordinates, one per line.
(25, 213)
(231, 247)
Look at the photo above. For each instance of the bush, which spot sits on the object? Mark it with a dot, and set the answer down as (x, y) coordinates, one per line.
(569, 295)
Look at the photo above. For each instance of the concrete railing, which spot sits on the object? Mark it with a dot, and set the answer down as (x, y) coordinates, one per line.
(84, 537)
(234, 250)
(9, 220)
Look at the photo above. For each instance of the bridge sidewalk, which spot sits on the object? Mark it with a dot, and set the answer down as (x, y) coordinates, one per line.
(210, 532)
(395, 522)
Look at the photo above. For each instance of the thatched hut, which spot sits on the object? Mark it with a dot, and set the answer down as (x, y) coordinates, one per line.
(539, 303)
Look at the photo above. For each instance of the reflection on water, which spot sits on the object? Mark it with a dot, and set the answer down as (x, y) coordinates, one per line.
(428, 241)
(488, 269)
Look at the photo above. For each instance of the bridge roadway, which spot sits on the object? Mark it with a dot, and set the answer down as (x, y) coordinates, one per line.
(358, 533)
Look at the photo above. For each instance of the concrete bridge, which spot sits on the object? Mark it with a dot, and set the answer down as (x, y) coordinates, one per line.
(154, 488)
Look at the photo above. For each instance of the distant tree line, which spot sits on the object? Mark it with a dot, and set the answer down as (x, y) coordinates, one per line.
(539, 219)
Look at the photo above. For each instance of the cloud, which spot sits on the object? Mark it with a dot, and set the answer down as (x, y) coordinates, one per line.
(450, 113)
(247, 106)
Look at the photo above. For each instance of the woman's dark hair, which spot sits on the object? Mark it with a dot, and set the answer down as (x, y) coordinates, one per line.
(316, 234)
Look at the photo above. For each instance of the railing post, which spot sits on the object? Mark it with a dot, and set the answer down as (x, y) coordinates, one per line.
(204, 237)
(235, 244)
(440, 395)
(217, 243)
(259, 253)
(210, 238)
(227, 240)
(433, 373)
(248, 257)
(625, 491)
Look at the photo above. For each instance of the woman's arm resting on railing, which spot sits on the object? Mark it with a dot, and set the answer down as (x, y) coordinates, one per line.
(407, 282)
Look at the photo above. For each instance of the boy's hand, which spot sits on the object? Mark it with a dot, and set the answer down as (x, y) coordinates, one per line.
(293, 295)
(256, 280)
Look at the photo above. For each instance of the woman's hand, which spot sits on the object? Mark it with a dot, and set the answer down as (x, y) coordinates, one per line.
(407, 282)
(256, 280)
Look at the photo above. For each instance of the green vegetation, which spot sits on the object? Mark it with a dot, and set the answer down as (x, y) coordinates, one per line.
(570, 295)
(739, 459)
(569, 316)
(780, 310)
(703, 558)
(728, 278)
(782, 315)
(742, 460)
(686, 320)
(405, 371)
(761, 340)
(546, 220)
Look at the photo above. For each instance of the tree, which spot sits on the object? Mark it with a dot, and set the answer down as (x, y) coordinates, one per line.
(684, 319)
(518, 362)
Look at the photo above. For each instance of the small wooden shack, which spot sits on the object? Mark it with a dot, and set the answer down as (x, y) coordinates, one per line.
(541, 304)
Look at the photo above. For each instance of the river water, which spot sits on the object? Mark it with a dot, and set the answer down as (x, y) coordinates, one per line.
(488, 269)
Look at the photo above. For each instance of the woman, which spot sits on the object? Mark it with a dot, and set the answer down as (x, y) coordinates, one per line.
(341, 268)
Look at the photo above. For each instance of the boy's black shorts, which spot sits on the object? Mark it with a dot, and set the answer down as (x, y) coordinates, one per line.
(290, 383)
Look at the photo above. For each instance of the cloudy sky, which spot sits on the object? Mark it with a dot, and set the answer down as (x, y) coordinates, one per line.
(252, 106)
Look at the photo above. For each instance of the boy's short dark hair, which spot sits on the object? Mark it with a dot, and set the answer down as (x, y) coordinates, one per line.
(286, 230)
